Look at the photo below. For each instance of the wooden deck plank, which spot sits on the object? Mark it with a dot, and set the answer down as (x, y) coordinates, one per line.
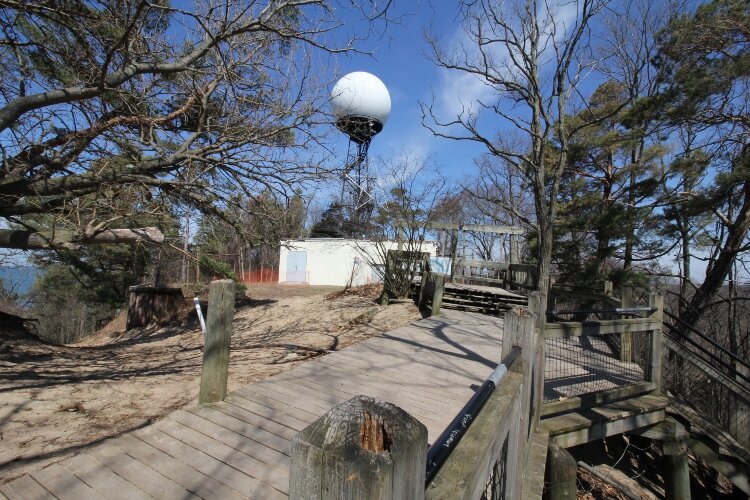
(412, 378)
(141, 475)
(379, 377)
(355, 385)
(194, 481)
(64, 484)
(238, 441)
(278, 403)
(25, 487)
(242, 484)
(273, 410)
(349, 391)
(265, 477)
(328, 385)
(248, 424)
(385, 374)
(102, 479)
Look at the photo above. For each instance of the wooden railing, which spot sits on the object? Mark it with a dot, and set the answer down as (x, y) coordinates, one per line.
(498, 274)
(588, 363)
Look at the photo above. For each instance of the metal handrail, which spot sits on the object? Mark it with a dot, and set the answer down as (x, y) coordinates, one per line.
(707, 339)
(441, 449)
(715, 359)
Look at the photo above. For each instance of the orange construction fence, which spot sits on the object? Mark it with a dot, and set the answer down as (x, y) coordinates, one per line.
(263, 275)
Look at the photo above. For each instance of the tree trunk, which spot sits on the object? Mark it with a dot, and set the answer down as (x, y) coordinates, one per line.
(71, 240)
(718, 272)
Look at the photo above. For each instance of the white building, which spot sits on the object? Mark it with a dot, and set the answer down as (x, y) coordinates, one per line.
(336, 261)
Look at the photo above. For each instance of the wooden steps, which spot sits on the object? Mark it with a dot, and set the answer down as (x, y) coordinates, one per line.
(583, 426)
(480, 299)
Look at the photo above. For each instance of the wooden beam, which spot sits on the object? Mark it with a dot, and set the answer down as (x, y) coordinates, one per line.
(606, 327)
(479, 228)
(437, 295)
(597, 398)
(667, 430)
(601, 428)
(572, 429)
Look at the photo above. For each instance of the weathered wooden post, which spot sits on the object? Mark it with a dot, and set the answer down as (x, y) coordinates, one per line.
(216, 345)
(437, 295)
(676, 471)
(559, 473)
(626, 338)
(675, 467)
(519, 329)
(363, 449)
(514, 252)
(536, 305)
(656, 301)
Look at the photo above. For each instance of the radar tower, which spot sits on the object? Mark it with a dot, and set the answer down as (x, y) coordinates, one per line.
(361, 104)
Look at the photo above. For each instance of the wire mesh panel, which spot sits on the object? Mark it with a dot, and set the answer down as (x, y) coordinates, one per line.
(497, 483)
(717, 402)
(574, 366)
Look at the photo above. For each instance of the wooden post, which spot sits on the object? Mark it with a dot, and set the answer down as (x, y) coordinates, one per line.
(514, 249)
(656, 300)
(676, 470)
(559, 473)
(216, 346)
(536, 307)
(422, 286)
(437, 295)
(519, 329)
(626, 338)
(362, 449)
(454, 245)
(605, 304)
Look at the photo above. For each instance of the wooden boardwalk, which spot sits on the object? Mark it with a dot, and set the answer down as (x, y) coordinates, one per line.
(240, 448)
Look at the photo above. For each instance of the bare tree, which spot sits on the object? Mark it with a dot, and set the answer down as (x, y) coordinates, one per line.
(179, 106)
(532, 56)
(409, 189)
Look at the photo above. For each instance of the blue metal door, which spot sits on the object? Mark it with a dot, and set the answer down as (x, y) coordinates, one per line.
(296, 266)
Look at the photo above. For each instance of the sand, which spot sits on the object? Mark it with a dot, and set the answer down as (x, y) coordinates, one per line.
(56, 401)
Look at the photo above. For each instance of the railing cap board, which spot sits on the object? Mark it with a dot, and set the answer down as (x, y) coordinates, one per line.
(604, 327)
(362, 449)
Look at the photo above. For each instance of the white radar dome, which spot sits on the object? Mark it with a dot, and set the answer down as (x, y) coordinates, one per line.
(361, 104)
